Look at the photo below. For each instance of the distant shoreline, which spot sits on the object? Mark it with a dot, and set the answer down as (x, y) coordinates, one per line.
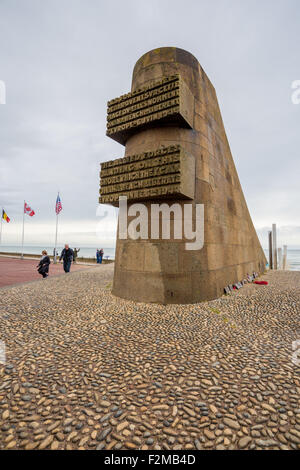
(79, 259)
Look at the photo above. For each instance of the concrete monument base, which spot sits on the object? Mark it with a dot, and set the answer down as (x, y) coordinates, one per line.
(183, 114)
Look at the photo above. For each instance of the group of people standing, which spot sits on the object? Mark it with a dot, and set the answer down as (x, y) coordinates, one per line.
(99, 255)
(67, 256)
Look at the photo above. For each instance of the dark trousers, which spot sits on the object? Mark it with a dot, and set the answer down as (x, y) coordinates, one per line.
(67, 266)
(43, 273)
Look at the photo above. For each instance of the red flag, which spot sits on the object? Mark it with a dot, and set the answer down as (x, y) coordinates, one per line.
(28, 210)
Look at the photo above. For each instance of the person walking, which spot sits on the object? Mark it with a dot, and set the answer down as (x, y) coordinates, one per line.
(98, 255)
(43, 266)
(101, 253)
(67, 256)
(75, 253)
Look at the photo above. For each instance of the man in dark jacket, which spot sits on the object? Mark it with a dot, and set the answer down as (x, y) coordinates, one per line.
(67, 257)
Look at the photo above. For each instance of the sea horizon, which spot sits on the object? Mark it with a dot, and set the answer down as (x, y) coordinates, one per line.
(85, 251)
(293, 254)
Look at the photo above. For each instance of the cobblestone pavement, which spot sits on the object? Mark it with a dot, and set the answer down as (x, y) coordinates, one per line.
(86, 370)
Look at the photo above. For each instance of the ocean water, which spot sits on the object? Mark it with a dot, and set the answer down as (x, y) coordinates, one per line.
(293, 256)
(87, 252)
(293, 259)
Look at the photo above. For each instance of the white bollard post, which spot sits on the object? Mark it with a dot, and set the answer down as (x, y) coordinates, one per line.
(284, 261)
(279, 258)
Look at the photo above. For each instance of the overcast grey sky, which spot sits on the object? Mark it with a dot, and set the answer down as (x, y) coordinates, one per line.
(62, 60)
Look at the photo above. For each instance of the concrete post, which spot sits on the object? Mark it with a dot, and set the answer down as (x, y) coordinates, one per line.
(270, 251)
(279, 258)
(274, 244)
(284, 261)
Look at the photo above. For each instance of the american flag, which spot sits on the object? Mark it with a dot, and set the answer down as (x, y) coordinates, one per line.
(28, 210)
(58, 206)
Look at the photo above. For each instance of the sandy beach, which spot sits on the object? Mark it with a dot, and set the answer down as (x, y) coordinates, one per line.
(86, 370)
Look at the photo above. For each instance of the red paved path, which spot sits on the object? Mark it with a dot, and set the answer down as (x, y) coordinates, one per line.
(14, 271)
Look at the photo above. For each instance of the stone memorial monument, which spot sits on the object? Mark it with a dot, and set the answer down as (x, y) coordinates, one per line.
(176, 152)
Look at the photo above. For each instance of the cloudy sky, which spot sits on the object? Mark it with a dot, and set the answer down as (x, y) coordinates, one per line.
(61, 60)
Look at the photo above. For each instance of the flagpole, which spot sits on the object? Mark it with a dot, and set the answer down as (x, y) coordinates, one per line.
(22, 254)
(1, 226)
(54, 258)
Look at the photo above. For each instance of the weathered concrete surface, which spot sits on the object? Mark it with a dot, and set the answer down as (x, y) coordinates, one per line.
(86, 370)
(163, 271)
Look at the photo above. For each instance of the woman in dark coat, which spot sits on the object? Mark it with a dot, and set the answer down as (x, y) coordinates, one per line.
(43, 266)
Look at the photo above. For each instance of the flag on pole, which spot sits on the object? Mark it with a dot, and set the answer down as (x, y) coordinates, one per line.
(58, 205)
(58, 208)
(5, 216)
(28, 210)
